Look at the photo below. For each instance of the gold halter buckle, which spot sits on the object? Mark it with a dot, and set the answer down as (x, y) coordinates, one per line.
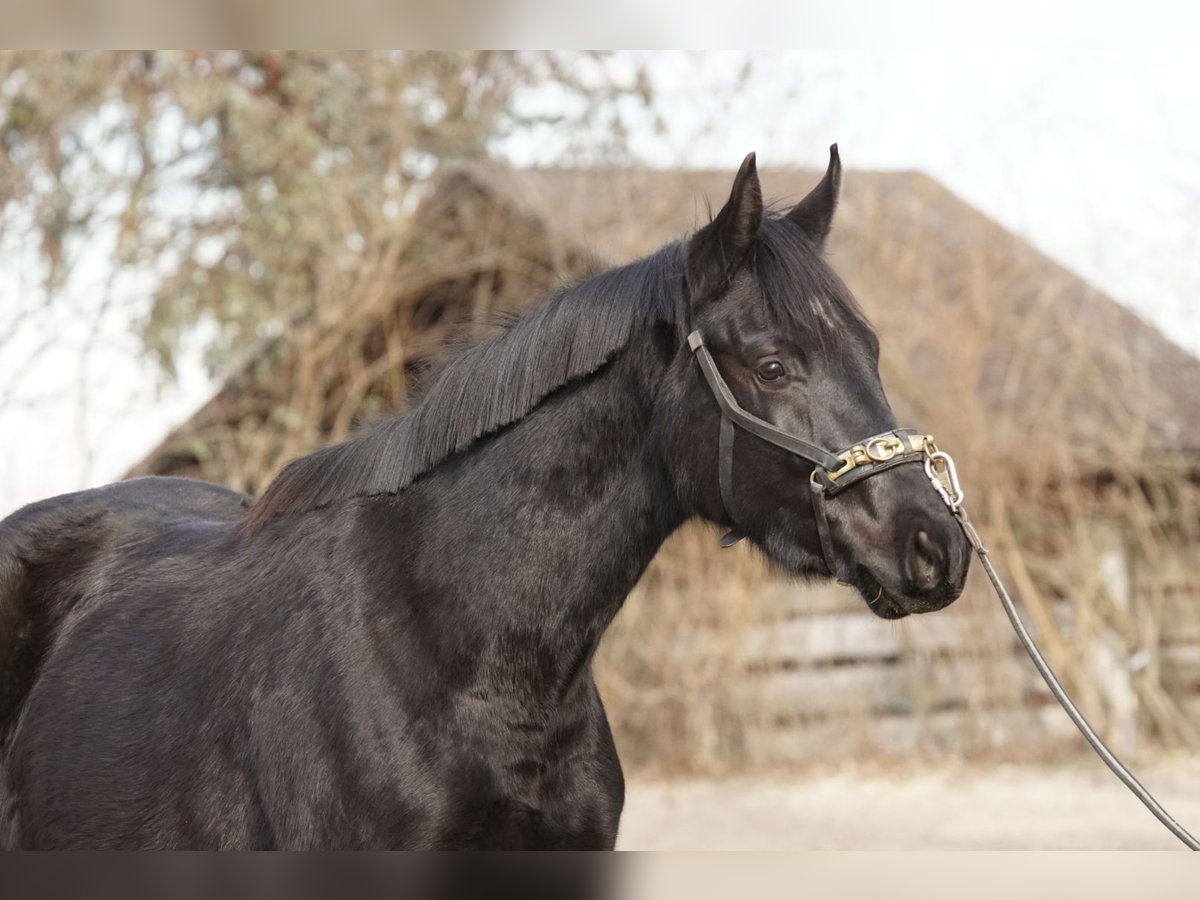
(879, 449)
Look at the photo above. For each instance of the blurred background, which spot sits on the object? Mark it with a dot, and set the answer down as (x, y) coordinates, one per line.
(213, 262)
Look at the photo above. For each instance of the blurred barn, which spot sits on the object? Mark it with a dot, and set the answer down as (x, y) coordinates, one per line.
(1075, 424)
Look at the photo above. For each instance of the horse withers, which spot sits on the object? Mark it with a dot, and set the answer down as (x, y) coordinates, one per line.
(392, 647)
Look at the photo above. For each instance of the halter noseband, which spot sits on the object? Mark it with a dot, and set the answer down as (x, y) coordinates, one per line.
(833, 472)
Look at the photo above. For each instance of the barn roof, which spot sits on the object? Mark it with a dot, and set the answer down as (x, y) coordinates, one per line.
(1007, 356)
(974, 321)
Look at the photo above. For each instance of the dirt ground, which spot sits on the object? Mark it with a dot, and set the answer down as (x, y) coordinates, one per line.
(1073, 805)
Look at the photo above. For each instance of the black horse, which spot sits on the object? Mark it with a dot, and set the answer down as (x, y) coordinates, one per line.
(393, 646)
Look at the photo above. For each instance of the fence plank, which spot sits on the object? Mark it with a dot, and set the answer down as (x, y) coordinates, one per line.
(886, 688)
(856, 636)
(898, 737)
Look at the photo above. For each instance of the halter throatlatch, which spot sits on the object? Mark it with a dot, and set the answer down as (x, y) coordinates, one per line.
(832, 472)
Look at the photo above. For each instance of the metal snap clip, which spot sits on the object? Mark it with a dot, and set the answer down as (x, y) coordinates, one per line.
(944, 477)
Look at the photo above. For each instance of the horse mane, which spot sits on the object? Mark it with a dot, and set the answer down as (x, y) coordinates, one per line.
(487, 386)
(494, 383)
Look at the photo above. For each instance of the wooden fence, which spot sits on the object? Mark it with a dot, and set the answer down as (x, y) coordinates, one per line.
(812, 677)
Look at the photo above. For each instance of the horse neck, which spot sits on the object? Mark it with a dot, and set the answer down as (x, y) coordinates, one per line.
(528, 543)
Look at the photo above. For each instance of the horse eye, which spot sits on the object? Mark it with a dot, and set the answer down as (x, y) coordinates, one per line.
(770, 371)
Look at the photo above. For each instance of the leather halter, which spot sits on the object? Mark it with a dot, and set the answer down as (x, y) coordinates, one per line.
(832, 472)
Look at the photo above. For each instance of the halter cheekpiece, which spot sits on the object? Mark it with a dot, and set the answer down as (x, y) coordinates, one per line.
(832, 472)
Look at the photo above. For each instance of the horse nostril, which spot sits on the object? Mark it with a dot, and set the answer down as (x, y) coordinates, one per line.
(926, 562)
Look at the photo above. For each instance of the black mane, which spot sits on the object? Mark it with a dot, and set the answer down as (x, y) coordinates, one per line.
(488, 385)
(497, 382)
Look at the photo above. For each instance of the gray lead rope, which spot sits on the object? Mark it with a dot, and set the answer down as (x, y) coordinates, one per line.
(952, 494)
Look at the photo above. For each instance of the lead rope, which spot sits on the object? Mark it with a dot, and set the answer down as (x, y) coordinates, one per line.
(940, 469)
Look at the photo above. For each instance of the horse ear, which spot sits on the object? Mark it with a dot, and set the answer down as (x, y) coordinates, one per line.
(717, 250)
(814, 213)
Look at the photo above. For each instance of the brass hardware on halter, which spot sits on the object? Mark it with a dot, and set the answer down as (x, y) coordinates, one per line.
(880, 449)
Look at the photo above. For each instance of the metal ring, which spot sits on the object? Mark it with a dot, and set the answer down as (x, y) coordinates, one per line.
(888, 451)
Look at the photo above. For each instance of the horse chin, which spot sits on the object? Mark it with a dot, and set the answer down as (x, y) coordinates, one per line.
(791, 557)
(878, 600)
